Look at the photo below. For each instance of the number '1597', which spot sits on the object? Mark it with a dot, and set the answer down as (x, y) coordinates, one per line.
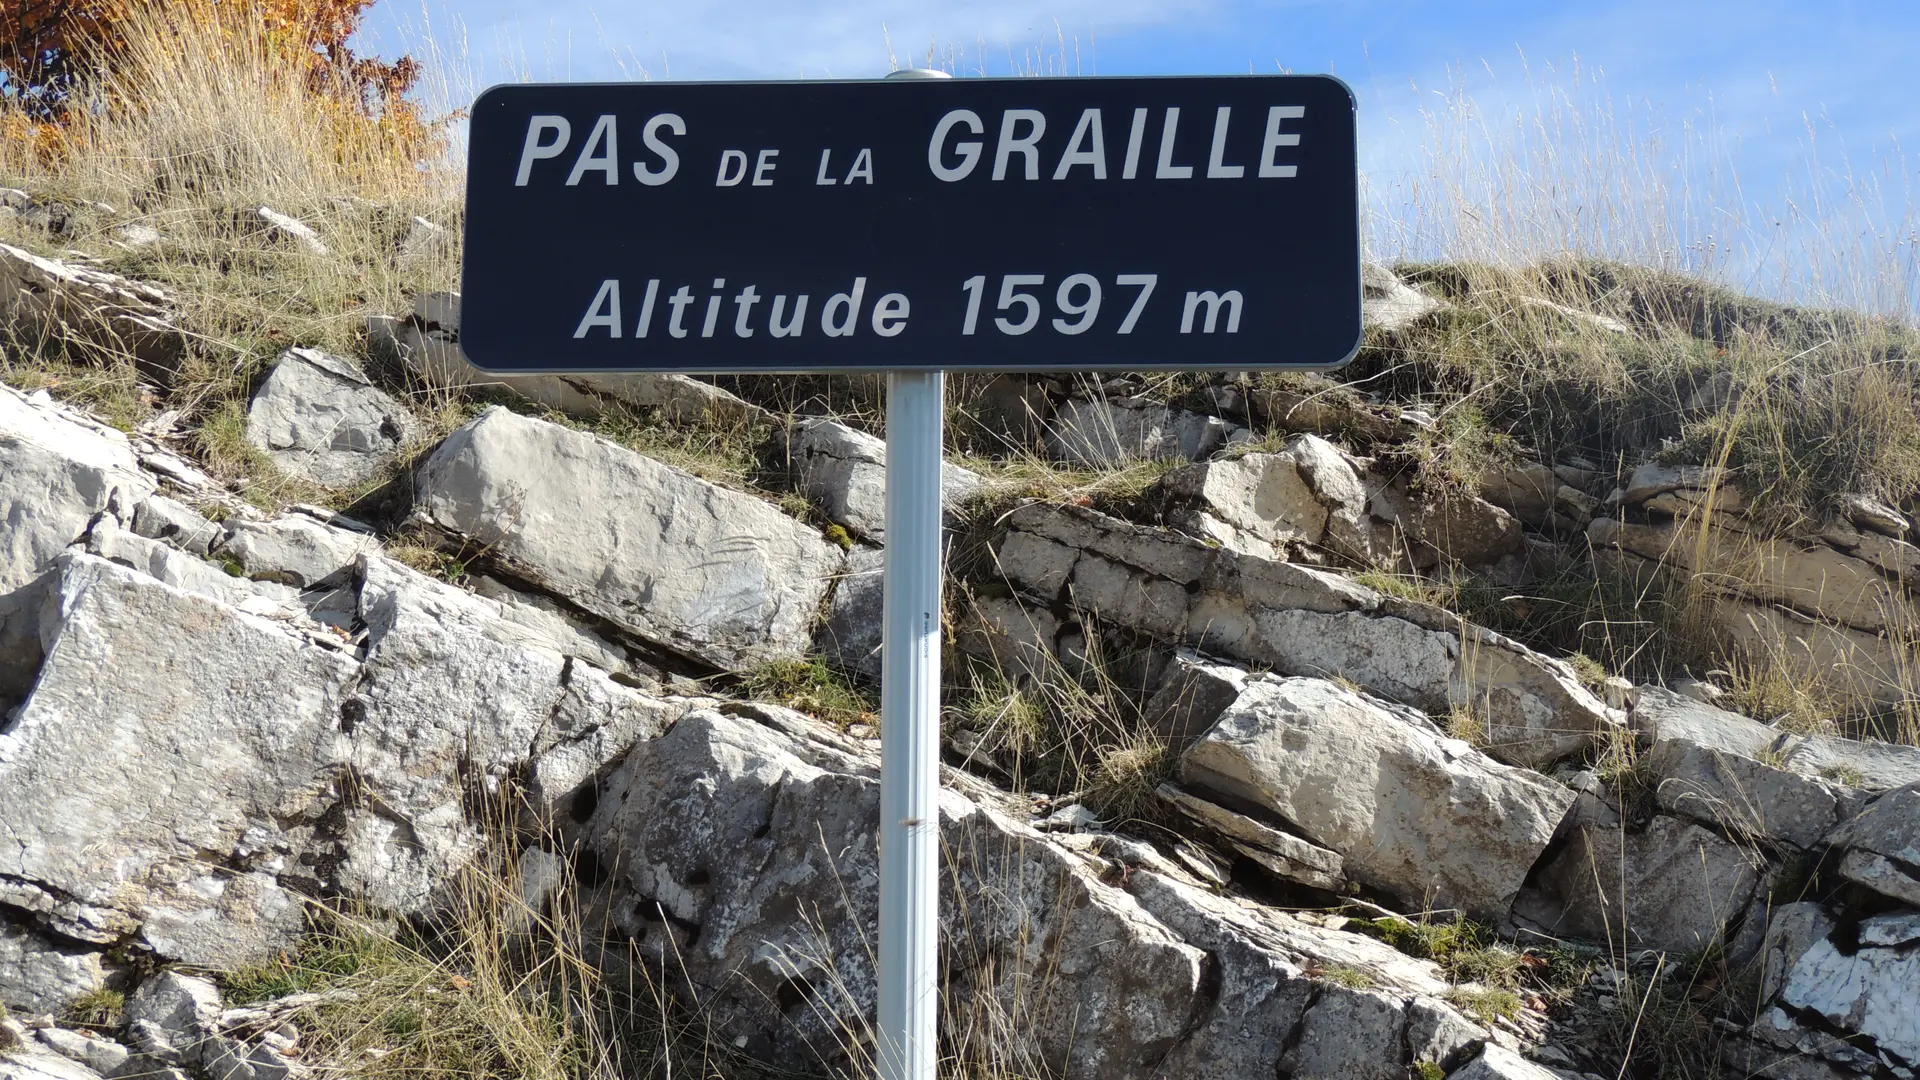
(1078, 298)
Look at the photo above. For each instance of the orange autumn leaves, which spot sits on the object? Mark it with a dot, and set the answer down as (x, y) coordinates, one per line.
(52, 50)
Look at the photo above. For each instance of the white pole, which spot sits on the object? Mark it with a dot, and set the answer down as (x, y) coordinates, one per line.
(906, 1037)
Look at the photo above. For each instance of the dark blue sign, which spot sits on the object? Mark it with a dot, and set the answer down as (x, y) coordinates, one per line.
(986, 224)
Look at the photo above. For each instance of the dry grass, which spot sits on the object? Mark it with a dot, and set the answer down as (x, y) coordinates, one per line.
(195, 125)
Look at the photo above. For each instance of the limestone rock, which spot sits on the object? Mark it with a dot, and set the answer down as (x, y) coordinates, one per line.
(1270, 1017)
(1388, 304)
(1281, 854)
(1673, 886)
(95, 311)
(852, 635)
(1455, 526)
(309, 771)
(1876, 667)
(1870, 513)
(1791, 930)
(101, 1055)
(1880, 846)
(283, 227)
(1107, 432)
(1723, 769)
(1299, 621)
(1423, 817)
(1193, 692)
(182, 1007)
(33, 1064)
(747, 854)
(114, 842)
(293, 549)
(1318, 405)
(693, 567)
(41, 976)
(845, 471)
(179, 525)
(57, 470)
(1308, 495)
(170, 565)
(1873, 991)
(427, 343)
(684, 564)
(734, 843)
(319, 416)
(1812, 578)
(1496, 1062)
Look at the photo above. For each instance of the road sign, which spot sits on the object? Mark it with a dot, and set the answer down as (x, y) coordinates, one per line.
(985, 224)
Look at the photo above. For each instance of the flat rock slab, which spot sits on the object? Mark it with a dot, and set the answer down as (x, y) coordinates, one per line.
(1673, 886)
(319, 416)
(1105, 433)
(1426, 818)
(714, 574)
(1298, 620)
(95, 311)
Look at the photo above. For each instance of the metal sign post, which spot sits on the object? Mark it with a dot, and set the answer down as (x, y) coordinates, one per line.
(906, 1039)
(938, 224)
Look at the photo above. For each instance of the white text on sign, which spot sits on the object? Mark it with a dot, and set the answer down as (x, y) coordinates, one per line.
(1020, 307)
(1024, 146)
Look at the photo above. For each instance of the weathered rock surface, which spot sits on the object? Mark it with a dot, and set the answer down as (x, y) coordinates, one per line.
(845, 471)
(1423, 817)
(1496, 1062)
(1114, 431)
(285, 227)
(1281, 854)
(293, 549)
(1738, 774)
(91, 309)
(852, 634)
(1673, 886)
(31, 1063)
(1163, 979)
(1880, 847)
(1827, 604)
(1193, 692)
(1298, 621)
(40, 976)
(1388, 304)
(1309, 495)
(58, 470)
(1871, 992)
(1538, 496)
(319, 416)
(178, 790)
(428, 344)
(695, 568)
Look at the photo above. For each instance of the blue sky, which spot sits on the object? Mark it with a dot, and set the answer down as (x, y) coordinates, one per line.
(1773, 81)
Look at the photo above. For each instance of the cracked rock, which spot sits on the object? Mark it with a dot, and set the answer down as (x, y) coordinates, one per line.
(1426, 818)
(319, 416)
(698, 569)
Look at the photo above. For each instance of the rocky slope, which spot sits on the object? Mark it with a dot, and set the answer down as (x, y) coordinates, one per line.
(1299, 786)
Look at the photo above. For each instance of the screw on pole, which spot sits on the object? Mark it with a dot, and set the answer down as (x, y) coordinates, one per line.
(906, 1037)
